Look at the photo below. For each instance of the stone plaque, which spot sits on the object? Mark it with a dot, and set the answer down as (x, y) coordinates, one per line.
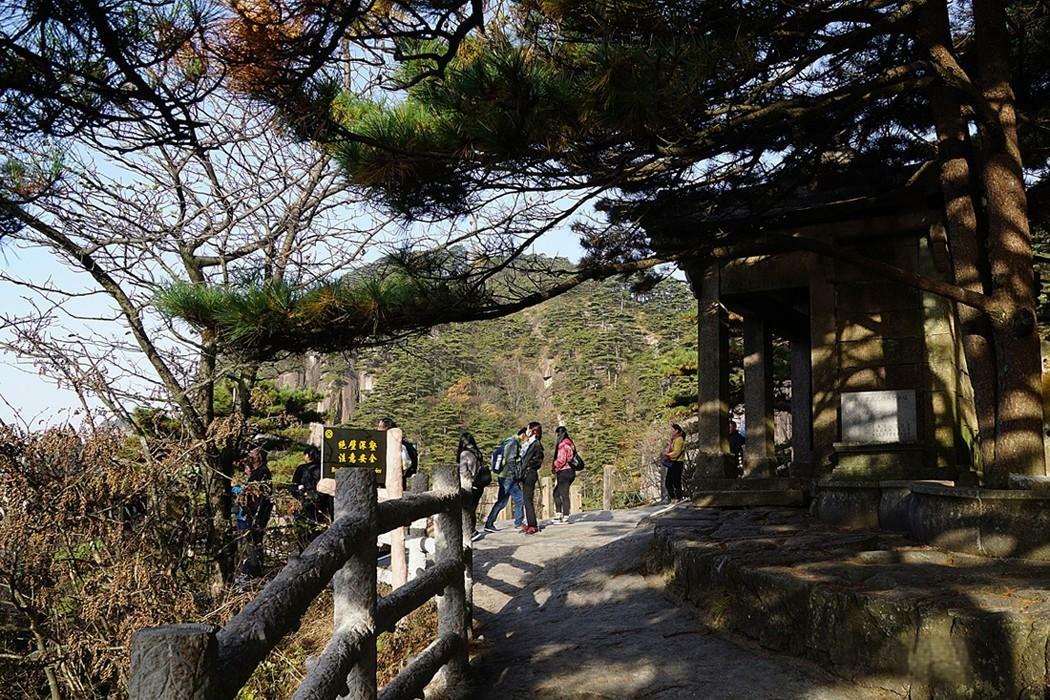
(877, 417)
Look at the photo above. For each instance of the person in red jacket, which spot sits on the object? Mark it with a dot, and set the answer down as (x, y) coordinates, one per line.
(563, 473)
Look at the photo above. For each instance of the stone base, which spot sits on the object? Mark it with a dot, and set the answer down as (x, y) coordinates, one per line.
(877, 462)
(748, 493)
(986, 522)
(920, 622)
(741, 498)
(800, 469)
(713, 465)
(759, 468)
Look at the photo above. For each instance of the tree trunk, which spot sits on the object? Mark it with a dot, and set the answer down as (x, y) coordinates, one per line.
(961, 219)
(1019, 420)
(953, 145)
(222, 543)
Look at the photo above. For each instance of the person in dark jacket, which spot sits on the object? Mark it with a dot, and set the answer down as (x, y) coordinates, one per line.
(736, 448)
(315, 509)
(256, 506)
(531, 461)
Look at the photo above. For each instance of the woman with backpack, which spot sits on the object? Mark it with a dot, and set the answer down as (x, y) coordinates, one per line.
(564, 474)
(474, 474)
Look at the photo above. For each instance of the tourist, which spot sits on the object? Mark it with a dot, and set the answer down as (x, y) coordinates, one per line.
(471, 466)
(506, 469)
(315, 509)
(256, 498)
(735, 468)
(531, 462)
(672, 460)
(564, 475)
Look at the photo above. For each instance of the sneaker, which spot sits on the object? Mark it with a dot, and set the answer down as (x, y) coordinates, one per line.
(530, 531)
(491, 528)
(558, 521)
(476, 535)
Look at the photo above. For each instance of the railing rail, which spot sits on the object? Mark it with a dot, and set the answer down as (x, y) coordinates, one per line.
(200, 662)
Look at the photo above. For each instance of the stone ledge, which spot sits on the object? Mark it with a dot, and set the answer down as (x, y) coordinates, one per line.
(741, 498)
(937, 488)
(864, 604)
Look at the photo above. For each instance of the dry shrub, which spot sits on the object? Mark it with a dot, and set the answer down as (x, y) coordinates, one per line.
(278, 676)
(95, 543)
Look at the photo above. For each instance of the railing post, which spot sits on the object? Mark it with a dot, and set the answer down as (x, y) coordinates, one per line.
(547, 497)
(417, 532)
(354, 585)
(576, 497)
(607, 486)
(174, 662)
(452, 605)
(395, 486)
(469, 524)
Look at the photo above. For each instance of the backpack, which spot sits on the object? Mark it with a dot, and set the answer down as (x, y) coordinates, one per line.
(413, 459)
(498, 467)
(482, 477)
(576, 462)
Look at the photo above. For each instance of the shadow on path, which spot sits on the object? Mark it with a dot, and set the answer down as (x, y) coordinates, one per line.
(570, 613)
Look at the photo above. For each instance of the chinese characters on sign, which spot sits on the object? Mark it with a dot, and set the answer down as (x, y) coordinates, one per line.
(351, 447)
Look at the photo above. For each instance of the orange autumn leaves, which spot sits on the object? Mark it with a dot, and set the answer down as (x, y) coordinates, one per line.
(258, 42)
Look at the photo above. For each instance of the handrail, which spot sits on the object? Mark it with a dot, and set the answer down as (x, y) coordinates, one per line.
(198, 661)
(415, 677)
(276, 610)
(403, 511)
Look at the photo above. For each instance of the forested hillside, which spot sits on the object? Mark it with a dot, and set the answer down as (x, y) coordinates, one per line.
(610, 365)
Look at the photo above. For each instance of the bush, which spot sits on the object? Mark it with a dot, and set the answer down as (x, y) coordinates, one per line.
(94, 544)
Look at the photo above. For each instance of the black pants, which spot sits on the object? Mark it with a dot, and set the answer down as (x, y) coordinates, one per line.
(475, 498)
(528, 489)
(673, 481)
(561, 490)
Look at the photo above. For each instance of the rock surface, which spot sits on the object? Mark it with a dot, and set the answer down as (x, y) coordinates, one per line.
(571, 613)
(867, 604)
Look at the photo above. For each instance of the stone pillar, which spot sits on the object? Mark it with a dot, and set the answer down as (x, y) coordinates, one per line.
(801, 410)
(713, 375)
(394, 490)
(759, 453)
(824, 378)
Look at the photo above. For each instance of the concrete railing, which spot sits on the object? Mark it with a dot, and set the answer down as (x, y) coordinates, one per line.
(200, 662)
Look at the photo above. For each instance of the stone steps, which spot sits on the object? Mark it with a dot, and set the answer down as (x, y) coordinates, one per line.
(748, 498)
(777, 483)
(865, 605)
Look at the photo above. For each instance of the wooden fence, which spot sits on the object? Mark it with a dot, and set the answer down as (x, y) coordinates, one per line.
(200, 662)
(545, 496)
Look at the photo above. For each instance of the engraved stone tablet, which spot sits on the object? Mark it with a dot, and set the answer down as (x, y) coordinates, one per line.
(877, 417)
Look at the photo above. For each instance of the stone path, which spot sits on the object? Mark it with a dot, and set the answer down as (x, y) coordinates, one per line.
(569, 613)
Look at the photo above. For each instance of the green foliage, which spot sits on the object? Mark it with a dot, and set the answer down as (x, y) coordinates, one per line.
(260, 321)
(606, 362)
